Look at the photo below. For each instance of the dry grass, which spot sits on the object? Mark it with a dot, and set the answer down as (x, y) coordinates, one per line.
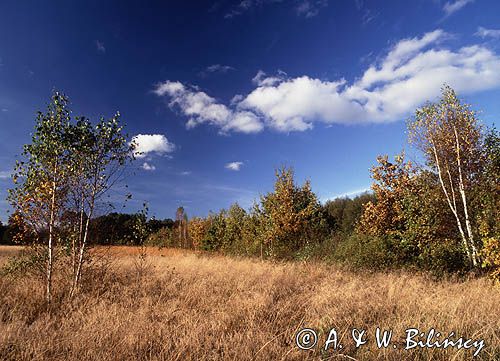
(184, 306)
(8, 251)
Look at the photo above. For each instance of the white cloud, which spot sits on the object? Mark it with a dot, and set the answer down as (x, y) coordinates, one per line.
(349, 194)
(151, 143)
(148, 167)
(310, 8)
(485, 33)
(306, 8)
(186, 172)
(216, 68)
(234, 166)
(367, 15)
(412, 72)
(261, 78)
(100, 46)
(201, 108)
(451, 7)
(5, 174)
(246, 5)
(292, 104)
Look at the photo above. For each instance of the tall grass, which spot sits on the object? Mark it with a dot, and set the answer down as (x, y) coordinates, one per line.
(186, 306)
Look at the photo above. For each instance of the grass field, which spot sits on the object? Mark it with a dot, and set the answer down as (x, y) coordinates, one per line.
(8, 251)
(176, 305)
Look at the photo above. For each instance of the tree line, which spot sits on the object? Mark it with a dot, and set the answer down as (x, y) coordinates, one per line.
(441, 215)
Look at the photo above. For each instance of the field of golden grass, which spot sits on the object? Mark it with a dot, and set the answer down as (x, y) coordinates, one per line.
(177, 305)
(8, 251)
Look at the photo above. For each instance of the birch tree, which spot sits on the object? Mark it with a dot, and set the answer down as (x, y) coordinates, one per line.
(40, 180)
(182, 224)
(99, 155)
(449, 135)
(64, 171)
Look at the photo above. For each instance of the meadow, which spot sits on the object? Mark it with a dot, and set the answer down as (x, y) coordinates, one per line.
(172, 304)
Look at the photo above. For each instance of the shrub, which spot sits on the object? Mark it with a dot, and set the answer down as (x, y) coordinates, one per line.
(198, 231)
(292, 216)
(363, 251)
(216, 232)
(491, 256)
(445, 256)
(161, 238)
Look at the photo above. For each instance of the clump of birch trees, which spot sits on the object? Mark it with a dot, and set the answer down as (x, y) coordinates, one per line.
(65, 170)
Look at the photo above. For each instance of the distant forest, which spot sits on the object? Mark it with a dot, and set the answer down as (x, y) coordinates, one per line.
(340, 217)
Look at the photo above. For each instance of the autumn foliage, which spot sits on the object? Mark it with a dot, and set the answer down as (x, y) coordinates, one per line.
(440, 215)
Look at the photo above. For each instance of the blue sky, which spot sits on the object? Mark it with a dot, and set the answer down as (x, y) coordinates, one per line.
(220, 93)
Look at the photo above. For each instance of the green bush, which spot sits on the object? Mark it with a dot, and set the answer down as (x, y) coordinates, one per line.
(445, 256)
(216, 232)
(371, 252)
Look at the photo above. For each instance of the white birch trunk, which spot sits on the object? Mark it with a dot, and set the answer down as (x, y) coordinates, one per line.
(464, 201)
(452, 205)
(50, 245)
